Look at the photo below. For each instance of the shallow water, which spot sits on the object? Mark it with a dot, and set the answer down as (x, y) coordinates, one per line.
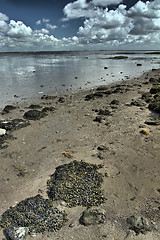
(31, 75)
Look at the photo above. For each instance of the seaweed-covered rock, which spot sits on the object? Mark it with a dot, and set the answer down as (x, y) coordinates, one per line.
(139, 224)
(155, 89)
(35, 213)
(7, 109)
(14, 124)
(34, 115)
(16, 233)
(138, 103)
(147, 97)
(77, 183)
(92, 216)
(155, 105)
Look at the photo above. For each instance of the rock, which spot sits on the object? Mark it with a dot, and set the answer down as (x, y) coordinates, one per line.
(46, 97)
(139, 224)
(16, 233)
(92, 216)
(105, 112)
(98, 119)
(61, 100)
(34, 115)
(48, 109)
(147, 97)
(155, 105)
(34, 106)
(102, 148)
(2, 132)
(14, 124)
(115, 102)
(139, 64)
(153, 121)
(105, 67)
(155, 89)
(7, 109)
(138, 103)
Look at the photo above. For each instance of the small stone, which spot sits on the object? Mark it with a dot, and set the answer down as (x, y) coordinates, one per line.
(92, 216)
(2, 132)
(16, 233)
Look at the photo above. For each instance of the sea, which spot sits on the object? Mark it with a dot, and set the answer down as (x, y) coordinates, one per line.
(24, 76)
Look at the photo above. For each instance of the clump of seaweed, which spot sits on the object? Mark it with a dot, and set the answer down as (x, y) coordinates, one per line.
(77, 183)
(35, 213)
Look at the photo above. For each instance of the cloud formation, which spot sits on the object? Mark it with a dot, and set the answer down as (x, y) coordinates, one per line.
(101, 27)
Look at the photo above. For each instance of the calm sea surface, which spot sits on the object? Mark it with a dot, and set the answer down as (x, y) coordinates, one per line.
(31, 75)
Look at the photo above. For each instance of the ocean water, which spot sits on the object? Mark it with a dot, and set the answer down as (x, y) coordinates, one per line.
(30, 75)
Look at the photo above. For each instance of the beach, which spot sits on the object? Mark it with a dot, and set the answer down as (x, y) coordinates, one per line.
(110, 125)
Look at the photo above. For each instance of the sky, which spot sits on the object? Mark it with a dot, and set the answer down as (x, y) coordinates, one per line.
(59, 25)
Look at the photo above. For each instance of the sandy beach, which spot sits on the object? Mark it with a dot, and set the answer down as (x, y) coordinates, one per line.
(109, 125)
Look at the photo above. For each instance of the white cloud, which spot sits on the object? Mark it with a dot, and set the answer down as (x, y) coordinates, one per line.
(38, 22)
(51, 26)
(18, 29)
(45, 20)
(105, 3)
(3, 17)
(3, 26)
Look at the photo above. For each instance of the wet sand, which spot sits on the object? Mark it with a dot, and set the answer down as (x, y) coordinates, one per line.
(103, 128)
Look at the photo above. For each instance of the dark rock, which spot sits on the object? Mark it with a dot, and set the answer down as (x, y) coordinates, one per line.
(138, 103)
(89, 97)
(46, 109)
(98, 119)
(104, 112)
(102, 148)
(155, 89)
(16, 233)
(108, 92)
(147, 97)
(139, 224)
(61, 100)
(77, 183)
(34, 115)
(14, 124)
(92, 216)
(139, 64)
(115, 102)
(155, 104)
(153, 121)
(105, 67)
(153, 80)
(46, 97)
(7, 109)
(35, 213)
(34, 106)
(102, 88)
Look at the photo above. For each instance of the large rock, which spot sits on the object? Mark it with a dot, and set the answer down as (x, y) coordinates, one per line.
(34, 115)
(139, 224)
(14, 124)
(16, 233)
(7, 109)
(92, 216)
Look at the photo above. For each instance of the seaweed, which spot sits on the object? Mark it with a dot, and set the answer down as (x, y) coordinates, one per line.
(77, 183)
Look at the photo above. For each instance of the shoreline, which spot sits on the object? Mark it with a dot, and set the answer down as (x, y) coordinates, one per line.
(99, 126)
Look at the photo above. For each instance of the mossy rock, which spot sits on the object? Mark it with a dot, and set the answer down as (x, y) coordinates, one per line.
(92, 216)
(147, 97)
(155, 89)
(155, 106)
(77, 183)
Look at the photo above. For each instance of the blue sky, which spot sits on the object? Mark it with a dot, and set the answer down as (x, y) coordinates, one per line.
(41, 25)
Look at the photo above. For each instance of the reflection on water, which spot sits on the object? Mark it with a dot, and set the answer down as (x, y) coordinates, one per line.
(24, 75)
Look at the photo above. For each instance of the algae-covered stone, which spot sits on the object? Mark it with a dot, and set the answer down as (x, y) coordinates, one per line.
(35, 213)
(155, 105)
(92, 216)
(77, 183)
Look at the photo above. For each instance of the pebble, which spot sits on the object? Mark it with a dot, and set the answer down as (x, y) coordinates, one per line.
(16, 233)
